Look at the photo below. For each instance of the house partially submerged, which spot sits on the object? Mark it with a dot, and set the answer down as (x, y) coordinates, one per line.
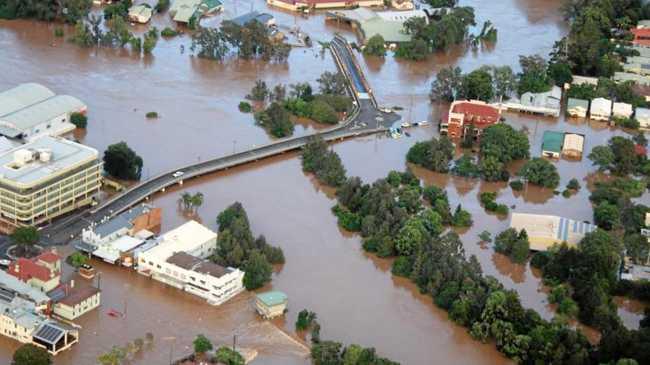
(642, 115)
(622, 110)
(42, 272)
(577, 107)
(140, 13)
(71, 301)
(469, 115)
(545, 103)
(573, 145)
(265, 19)
(546, 230)
(186, 11)
(552, 144)
(388, 24)
(271, 304)
(306, 5)
(601, 109)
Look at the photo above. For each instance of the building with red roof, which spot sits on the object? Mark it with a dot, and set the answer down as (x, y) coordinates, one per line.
(469, 114)
(641, 37)
(42, 272)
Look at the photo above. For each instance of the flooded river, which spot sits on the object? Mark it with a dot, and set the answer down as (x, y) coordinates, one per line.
(354, 294)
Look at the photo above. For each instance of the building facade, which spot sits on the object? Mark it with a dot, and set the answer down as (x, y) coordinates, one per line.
(76, 301)
(178, 260)
(42, 272)
(271, 304)
(469, 116)
(44, 179)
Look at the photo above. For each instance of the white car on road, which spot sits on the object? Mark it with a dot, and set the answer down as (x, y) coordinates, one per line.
(178, 174)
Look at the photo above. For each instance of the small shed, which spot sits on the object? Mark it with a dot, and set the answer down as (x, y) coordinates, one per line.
(552, 144)
(622, 110)
(577, 107)
(601, 109)
(573, 145)
(271, 304)
(642, 115)
(140, 13)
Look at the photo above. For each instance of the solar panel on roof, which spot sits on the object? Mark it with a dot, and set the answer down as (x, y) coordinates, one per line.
(49, 333)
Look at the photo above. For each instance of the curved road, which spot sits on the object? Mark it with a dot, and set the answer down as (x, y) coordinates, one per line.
(364, 119)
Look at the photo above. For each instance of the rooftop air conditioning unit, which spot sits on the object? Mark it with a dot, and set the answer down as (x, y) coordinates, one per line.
(23, 156)
(45, 155)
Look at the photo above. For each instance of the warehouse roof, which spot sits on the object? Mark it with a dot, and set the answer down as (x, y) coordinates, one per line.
(33, 115)
(23, 96)
(552, 141)
(546, 230)
(65, 155)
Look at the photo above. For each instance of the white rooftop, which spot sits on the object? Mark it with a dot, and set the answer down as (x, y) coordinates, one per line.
(23, 96)
(185, 238)
(65, 155)
(44, 111)
(112, 250)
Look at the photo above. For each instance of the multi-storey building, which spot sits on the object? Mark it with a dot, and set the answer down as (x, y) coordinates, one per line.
(45, 179)
(469, 116)
(179, 260)
(42, 272)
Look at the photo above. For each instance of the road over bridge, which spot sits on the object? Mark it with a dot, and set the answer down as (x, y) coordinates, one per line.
(364, 119)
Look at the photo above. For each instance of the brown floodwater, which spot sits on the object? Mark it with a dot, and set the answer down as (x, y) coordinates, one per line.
(356, 297)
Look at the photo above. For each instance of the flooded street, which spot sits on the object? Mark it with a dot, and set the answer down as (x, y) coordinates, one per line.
(356, 297)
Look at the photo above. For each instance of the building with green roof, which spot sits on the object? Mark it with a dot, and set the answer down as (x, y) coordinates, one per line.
(182, 11)
(271, 304)
(552, 144)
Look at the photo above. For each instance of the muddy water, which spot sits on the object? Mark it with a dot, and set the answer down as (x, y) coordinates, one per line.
(354, 294)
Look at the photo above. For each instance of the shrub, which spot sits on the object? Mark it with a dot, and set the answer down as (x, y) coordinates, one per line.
(162, 6)
(347, 219)
(323, 112)
(573, 184)
(152, 115)
(77, 259)
(566, 193)
(517, 185)
(79, 120)
(58, 32)
(169, 32)
(630, 123)
(402, 266)
(245, 107)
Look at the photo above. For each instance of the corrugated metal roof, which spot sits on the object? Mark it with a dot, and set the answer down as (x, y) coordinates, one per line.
(573, 142)
(552, 141)
(23, 96)
(44, 111)
(573, 103)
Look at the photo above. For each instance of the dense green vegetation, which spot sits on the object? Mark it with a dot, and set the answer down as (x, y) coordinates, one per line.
(275, 119)
(29, 354)
(488, 200)
(250, 41)
(122, 162)
(236, 247)
(513, 244)
(201, 344)
(434, 155)
(587, 49)
(375, 46)
(227, 356)
(113, 34)
(485, 83)
(79, 120)
(619, 157)
(318, 159)
(47, 10)
(449, 29)
(540, 172)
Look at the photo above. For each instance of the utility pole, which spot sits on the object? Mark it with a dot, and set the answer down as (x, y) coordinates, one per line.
(234, 343)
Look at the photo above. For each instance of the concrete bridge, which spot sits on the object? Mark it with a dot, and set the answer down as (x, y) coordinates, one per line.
(364, 119)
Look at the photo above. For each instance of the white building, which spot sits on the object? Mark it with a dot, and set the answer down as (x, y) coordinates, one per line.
(179, 260)
(140, 13)
(622, 110)
(642, 115)
(29, 111)
(71, 302)
(601, 109)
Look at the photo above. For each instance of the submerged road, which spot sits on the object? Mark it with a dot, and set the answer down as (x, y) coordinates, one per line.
(364, 119)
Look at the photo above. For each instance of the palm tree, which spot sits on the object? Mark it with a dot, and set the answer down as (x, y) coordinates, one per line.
(186, 200)
(197, 200)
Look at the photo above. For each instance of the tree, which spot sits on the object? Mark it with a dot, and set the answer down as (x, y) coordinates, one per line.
(227, 356)
(29, 354)
(375, 46)
(533, 76)
(477, 85)
(122, 162)
(447, 84)
(560, 73)
(257, 270)
(25, 238)
(113, 357)
(434, 155)
(201, 344)
(79, 120)
(504, 143)
(624, 155)
(637, 248)
(606, 215)
(276, 120)
(305, 320)
(410, 237)
(504, 81)
(259, 92)
(540, 172)
(461, 218)
(513, 244)
(77, 259)
(162, 6)
(323, 113)
(602, 156)
(327, 353)
(332, 83)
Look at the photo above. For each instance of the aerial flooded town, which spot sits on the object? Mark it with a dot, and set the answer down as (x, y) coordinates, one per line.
(324, 182)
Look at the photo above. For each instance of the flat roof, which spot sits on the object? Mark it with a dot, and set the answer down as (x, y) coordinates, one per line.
(184, 238)
(192, 263)
(23, 96)
(66, 155)
(272, 298)
(111, 251)
(546, 230)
